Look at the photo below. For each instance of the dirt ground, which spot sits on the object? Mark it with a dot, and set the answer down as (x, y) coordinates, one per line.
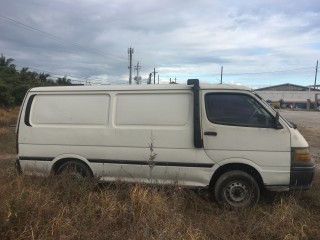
(309, 119)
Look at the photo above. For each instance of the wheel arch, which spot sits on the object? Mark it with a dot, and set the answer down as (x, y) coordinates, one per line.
(236, 166)
(63, 160)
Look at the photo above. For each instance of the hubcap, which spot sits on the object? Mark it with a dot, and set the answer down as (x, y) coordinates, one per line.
(236, 193)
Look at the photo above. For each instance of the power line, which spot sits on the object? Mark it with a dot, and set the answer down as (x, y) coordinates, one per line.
(36, 69)
(277, 71)
(245, 73)
(65, 42)
(59, 39)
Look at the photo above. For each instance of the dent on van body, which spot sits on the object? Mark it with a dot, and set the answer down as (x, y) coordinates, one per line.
(188, 167)
(34, 167)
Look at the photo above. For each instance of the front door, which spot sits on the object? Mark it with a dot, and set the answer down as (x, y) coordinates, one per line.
(238, 128)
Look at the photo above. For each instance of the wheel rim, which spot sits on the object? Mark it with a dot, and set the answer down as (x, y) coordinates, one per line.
(237, 193)
(73, 172)
(75, 175)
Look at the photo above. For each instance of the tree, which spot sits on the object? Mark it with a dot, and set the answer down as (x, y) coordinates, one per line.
(14, 84)
(19, 92)
(6, 98)
(43, 78)
(24, 74)
(64, 81)
(6, 64)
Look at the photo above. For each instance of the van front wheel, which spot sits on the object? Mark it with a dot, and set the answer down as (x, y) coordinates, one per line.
(236, 189)
(75, 169)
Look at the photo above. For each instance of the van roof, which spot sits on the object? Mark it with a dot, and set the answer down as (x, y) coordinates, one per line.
(137, 87)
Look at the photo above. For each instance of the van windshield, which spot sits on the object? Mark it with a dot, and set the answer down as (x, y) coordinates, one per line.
(282, 117)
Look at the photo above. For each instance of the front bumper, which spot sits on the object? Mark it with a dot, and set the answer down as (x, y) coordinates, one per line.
(301, 177)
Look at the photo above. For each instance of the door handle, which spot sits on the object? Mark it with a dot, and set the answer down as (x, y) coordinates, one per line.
(211, 133)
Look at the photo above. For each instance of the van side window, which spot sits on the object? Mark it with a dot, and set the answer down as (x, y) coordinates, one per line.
(236, 109)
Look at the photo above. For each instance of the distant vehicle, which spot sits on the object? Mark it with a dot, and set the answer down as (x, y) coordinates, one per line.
(222, 137)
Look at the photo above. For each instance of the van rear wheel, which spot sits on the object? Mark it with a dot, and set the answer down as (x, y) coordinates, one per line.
(236, 189)
(74, 169)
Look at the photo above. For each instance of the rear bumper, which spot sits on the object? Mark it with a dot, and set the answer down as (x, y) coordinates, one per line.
(301, 177)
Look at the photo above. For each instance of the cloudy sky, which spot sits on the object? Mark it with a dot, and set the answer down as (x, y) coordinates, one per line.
(258, 43)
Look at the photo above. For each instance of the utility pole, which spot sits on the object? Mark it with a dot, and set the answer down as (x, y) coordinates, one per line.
(149, 79)
(130, 52)
(221, 75)
(137, 68)
(315, 77)
(154, 76)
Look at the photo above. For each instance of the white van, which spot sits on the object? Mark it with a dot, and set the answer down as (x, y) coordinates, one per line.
(219, 136)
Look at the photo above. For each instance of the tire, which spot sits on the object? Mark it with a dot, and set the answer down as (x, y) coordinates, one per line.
(236, 189)
(75, 169)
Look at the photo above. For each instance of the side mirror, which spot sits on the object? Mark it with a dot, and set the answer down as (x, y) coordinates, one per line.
(277, 125)
(294, 125)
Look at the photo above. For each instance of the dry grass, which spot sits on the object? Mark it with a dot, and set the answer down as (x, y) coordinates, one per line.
(58, 208)
(4, 132)
(7, 141)
(8, 116)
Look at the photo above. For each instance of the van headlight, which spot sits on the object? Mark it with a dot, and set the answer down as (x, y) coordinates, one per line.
(301, 155)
